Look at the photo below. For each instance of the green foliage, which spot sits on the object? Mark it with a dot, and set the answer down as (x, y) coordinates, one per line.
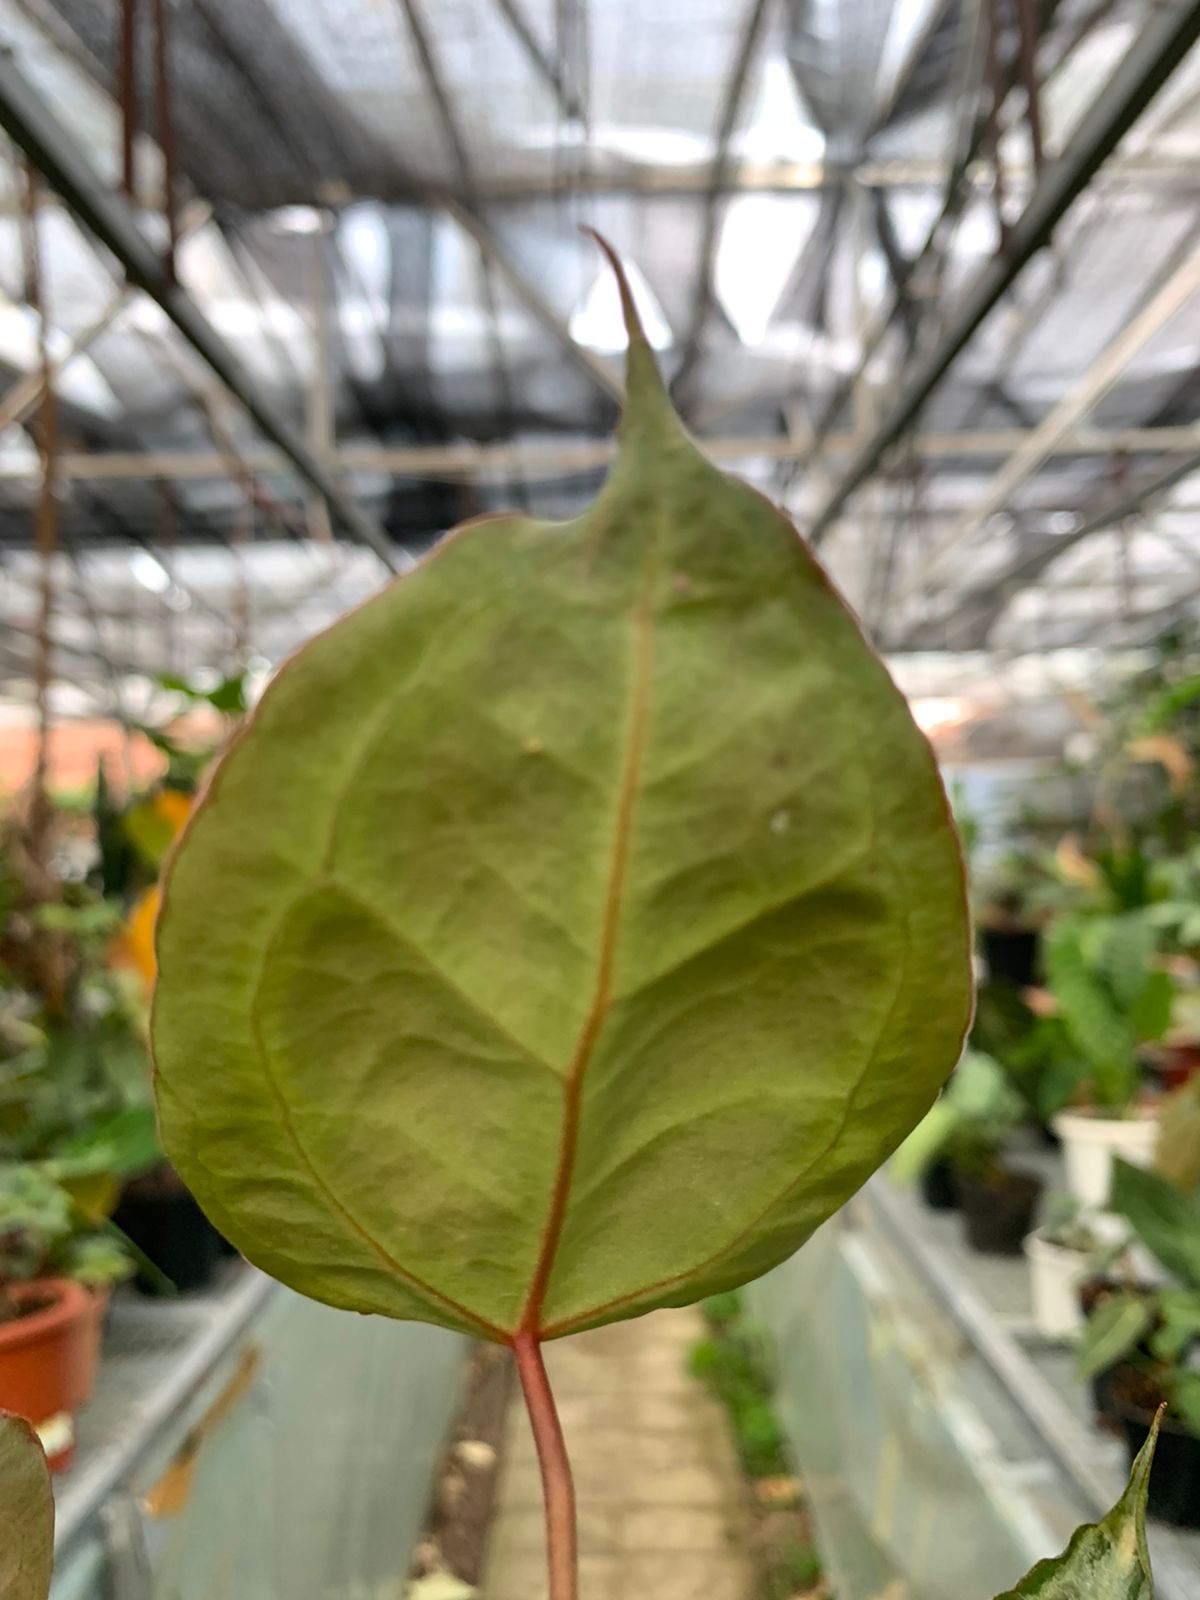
(574, 927)
(73, 1055)
(1177, 1158)
(1154, 1329)
(1065, 1223)
(722, 1308)
(977, 1113)
(1111, 996)
(26, 1513)
(733, 1360)
(65, 1080)
(1175, 910)
(1172, 703)
(1126, 872)
(1036, 1052)
(228, 696)
(44, 1235)
(187, 760)
(797, 1568)
(1165, 1219)
(1114, 1330)
(1106, 1560)
(965, 819)
(1014, 890)
(149, 831)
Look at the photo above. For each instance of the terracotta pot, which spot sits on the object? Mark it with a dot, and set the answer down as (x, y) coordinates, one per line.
(46, 1358)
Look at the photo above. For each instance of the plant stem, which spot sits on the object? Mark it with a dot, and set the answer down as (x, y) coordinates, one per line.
(558, 1486)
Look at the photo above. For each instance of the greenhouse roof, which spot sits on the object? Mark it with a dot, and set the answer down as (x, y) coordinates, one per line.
(379, 210)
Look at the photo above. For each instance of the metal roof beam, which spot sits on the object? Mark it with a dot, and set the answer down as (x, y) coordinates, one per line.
(544, 65)
(989, 602)
(453, 135)
(1150, 61)
(722, 165)
(26, 392)
(1178, 288)
(603, 375)
(31, 125)
(559, 458)
(774, 177)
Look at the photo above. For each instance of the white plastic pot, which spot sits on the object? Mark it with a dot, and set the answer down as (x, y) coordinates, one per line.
(1091, 1142)
(1055, 1274)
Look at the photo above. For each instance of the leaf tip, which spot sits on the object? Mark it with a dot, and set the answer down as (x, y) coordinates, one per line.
(629, 311)
(645, 390)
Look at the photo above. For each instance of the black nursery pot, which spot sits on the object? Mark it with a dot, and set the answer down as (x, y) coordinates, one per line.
(1011, 953)
(1175, 1481)
(938, 1187)
(176, 1235)
(998, 1211)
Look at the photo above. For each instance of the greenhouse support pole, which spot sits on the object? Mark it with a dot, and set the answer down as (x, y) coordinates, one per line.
(1150, 61)
(31, 126)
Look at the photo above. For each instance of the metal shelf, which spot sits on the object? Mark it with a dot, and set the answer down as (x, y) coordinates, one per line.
(158, 1356)
(988, 1300)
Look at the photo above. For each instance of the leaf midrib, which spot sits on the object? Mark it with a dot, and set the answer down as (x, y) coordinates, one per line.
(628, 786)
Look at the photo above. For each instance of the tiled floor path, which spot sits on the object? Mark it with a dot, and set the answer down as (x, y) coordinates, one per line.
(661, 1514)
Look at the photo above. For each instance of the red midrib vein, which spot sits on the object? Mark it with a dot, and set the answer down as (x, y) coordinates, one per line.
(630, 779)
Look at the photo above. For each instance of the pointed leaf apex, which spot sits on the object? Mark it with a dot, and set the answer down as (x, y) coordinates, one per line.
(645, 393)
(629, 310)
(1139, 1474)
(1106, 1560)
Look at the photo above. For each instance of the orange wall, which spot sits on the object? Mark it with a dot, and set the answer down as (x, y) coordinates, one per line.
(76, 748)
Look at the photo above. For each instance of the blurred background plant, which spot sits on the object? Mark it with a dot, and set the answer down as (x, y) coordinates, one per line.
(44, 1234)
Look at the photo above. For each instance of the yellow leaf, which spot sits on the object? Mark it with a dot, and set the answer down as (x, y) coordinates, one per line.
(174, 807)
(1167, 753)
(1074, 865)
(135, 943)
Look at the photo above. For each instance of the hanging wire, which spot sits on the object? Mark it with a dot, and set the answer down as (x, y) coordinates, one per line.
(166, 134)
(46, 518)
(127, 95)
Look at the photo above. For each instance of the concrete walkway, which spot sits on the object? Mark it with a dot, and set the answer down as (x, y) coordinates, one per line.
(661, 1508)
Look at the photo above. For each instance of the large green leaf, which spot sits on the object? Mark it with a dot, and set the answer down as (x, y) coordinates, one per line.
(576, 926)
(1105, 1560)
(26, 1513)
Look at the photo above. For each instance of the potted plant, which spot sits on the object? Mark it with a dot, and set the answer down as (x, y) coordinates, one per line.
(55, 1273)
(75, 1085)
(1141, 1339)
(1112, 999)
(1062, 1254)
(966, 1132)
(998, 1202)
